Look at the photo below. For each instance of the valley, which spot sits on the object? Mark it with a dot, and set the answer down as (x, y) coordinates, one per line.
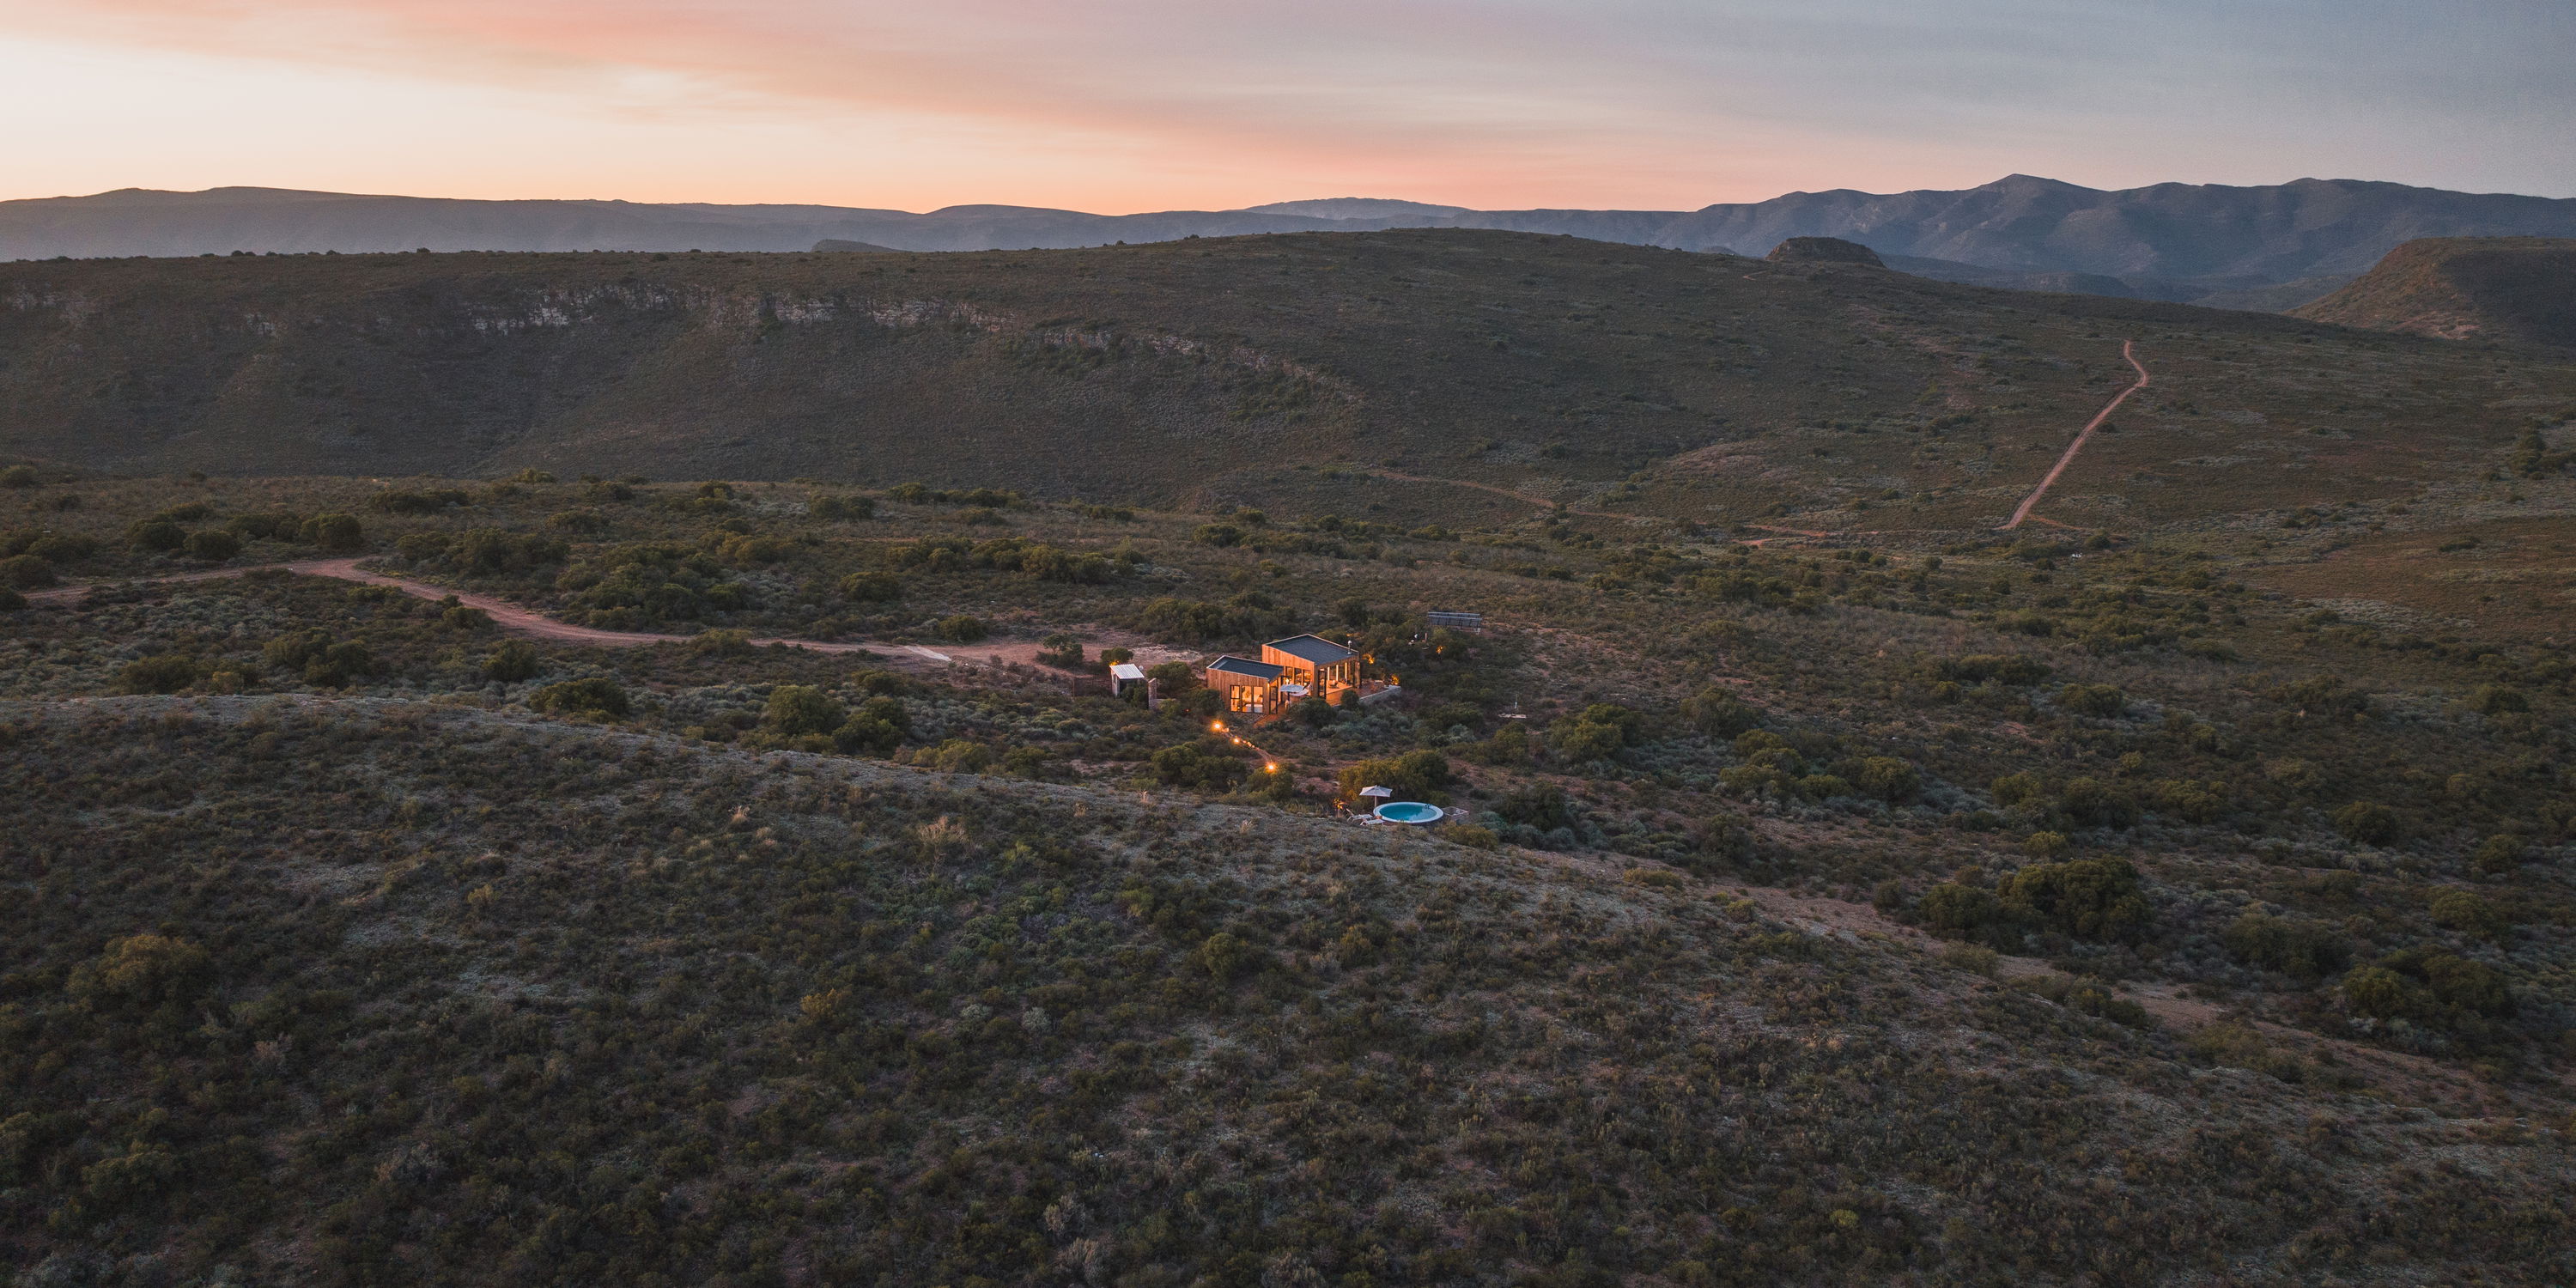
(601, 768)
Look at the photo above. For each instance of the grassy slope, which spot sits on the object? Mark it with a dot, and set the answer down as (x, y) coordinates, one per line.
(1431, 1062)
(1213, 369)
(2520, 290)
(487, 1000)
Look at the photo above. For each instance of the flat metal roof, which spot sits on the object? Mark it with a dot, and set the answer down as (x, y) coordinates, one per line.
(1233, 665)
(1315, 649)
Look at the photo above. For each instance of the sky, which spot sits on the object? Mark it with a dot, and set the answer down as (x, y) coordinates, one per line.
(1130, 105)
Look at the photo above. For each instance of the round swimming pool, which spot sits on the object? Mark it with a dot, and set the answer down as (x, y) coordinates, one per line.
(1409, 812)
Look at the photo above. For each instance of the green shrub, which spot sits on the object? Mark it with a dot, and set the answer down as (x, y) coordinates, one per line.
(155, 534)
(145, 1173)
(19, 476)
(1313, 712)
(2322, 695)
(720, 642)
(338, 533)
(59, 547)
(955, 756)
(962, 629)
(2092, 997)
(2466, 912)
(2017, 789)
(270, 526)
(416, 500)
(1245, 616)
(1958, 911)
(140, 972)
(2498, 854)
(583, 521)
(2496, 700)
(494, 551)
(1507, 745)
(333, 665)
(1976, 959)
(1543, 806)
(2427, 986)
(801, 709)
(2002, 668)
(10, 600)
(2102, 700)
(877, 728)
(1061, 651)
(596, 696)
(1413, 775)
(2294, 946)
(2098, 899)
(167, 673)
(1885, 777)
(26, 572)
(514, 661)
(2189, 801)
(1720, 714)
(1208, 764)
(321, 661)
(1225, 957)
(2241, 1046)
(746, 550)
(2366, 822)
(214, 545)
(2091, 802)
(841, 509)
(1597, 733)
(871, 587)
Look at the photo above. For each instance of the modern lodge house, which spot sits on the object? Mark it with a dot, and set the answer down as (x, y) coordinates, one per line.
(1289, 669)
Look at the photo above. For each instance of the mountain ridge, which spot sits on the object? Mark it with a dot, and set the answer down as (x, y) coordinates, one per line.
(2171, 241)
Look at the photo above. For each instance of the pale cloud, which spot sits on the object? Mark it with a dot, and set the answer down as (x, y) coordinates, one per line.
(1126, 105)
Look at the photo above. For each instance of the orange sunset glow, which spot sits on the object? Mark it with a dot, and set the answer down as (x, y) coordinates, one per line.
(1129, 106)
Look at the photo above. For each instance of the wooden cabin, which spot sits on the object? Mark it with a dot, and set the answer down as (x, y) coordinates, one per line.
(1322, 666)
(1248, 686)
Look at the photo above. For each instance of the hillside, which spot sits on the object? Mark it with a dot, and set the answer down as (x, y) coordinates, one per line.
(2520, 290)
(1283, 371)
(2168, 241)
(1813, 916)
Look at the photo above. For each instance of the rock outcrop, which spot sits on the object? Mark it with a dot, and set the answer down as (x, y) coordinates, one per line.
(1823, 250)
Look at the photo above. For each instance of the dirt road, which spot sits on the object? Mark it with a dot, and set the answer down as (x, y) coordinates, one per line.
(2128, 350)
(521, 621)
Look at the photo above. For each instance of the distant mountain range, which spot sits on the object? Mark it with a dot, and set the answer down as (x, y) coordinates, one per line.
(2242, 247)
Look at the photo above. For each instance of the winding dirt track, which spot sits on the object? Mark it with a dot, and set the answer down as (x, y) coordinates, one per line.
(2128, 350)
(511, 617)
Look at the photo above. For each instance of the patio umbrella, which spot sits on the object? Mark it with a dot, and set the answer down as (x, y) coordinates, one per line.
(1377, 791)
